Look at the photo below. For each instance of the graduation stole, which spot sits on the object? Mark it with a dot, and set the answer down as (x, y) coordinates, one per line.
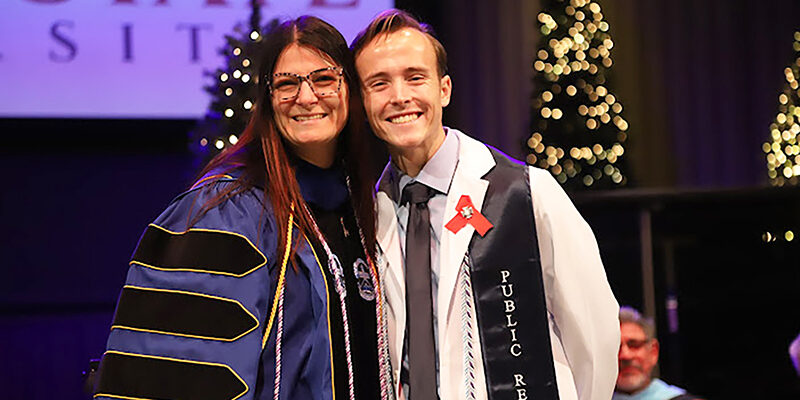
(508, 290)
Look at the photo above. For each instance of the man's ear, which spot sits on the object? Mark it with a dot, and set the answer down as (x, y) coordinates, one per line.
(446, 87)
(654, 349)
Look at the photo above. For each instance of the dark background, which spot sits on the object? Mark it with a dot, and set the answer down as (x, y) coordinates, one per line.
(699, 82)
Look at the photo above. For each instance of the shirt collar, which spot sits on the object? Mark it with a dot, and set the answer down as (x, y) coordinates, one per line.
(656, 389)
(437, 173)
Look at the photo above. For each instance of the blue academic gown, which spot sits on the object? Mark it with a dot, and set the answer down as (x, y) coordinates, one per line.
(192, 327)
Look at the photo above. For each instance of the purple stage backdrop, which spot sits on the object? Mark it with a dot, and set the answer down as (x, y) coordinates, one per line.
(132, 58)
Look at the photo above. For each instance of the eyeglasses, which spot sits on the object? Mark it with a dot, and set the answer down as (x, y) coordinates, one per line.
(323, 82)
(636, 344)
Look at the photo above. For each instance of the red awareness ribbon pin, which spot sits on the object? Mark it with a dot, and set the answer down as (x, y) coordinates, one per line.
(467, 214)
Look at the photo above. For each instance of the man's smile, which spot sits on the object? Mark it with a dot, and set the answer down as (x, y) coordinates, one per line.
(404, 118)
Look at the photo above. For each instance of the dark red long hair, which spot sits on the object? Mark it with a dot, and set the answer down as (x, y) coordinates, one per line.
(263, 152)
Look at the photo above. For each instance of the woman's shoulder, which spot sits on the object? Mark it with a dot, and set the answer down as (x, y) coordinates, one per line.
(220, 202)
(223, 184)
(223, 174)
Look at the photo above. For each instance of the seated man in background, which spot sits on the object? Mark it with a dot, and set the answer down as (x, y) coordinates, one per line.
(638, 355)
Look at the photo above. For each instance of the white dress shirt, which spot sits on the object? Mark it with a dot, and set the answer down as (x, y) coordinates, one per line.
(437, 174)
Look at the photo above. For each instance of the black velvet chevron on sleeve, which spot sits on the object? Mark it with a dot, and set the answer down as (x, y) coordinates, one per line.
(135, 376)
(198, 250)
(182, 314)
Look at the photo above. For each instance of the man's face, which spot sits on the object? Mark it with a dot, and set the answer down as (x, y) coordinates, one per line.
(637, 357)
(403, 93)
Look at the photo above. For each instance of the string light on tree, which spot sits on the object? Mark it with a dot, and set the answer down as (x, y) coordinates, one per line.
(233, 91)
(578, 131)
(783, 149)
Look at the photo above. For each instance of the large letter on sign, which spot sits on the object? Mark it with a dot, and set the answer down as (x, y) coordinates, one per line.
(72, 49)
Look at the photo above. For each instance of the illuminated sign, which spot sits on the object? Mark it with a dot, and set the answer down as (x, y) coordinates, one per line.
(132, 58)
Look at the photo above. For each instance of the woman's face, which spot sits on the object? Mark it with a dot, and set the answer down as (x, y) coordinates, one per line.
(311, 120)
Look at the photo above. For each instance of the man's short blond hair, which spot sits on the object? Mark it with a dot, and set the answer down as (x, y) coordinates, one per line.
(393, 20)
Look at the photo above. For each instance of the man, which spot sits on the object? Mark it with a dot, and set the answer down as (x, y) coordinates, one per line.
(493, 282)
(638, 355)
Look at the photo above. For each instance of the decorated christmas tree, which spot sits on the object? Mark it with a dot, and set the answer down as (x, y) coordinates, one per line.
(577, 129)
(233, 91)
(783, 151)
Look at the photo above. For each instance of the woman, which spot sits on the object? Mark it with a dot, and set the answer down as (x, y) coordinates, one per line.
(257, 282)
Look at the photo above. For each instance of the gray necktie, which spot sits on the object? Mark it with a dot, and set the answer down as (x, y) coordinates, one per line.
(419, 315)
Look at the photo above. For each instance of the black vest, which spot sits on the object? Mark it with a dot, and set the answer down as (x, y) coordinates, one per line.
(509, 294)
